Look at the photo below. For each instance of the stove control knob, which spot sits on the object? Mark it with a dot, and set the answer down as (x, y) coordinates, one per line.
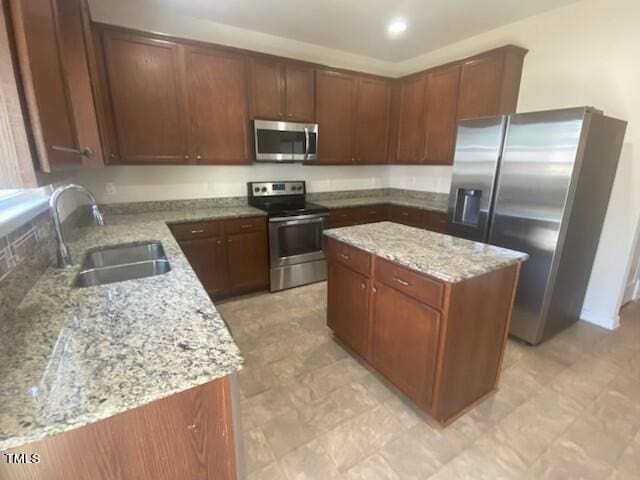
(256, 189)
(264, 189)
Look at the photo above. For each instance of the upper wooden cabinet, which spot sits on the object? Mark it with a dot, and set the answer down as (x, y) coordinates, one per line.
(441, 102)
(489, 83)
(431, 103)
(336, 99)
(217, 106)
(411, 120)
(282, 91)
(145, 85)
(372, 125)
(51, 41)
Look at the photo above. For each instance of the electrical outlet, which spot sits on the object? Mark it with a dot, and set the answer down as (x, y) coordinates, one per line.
(110, 188)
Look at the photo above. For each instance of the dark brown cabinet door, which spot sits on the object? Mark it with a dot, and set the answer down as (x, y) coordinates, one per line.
(300, 93)
(247, 261)
(372, 125)
(267, 87)
(404, 341)
(406, 215)
(207, 257)
(217, 104)
(348, 306)
(411, 121)
(144, 77)
(440, 115)
(336, 97)
(435, 221)
(480, 82)
(52, 52)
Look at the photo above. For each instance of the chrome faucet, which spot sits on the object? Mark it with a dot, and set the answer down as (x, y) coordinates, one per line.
(62, 251)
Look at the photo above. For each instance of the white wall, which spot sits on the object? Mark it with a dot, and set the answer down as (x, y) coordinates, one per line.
(582, 54)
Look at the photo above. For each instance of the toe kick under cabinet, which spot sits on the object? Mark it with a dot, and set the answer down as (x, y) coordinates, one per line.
(439, 343)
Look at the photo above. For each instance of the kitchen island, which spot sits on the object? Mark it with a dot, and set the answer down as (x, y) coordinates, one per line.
(134, 379)
(430, 312)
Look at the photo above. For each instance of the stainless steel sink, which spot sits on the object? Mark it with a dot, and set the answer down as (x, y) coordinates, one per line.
(122, 262)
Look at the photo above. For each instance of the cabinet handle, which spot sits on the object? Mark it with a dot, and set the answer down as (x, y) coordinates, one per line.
(198, 157)
(405, 214)
(197, 231)
(346, 257)
(246, 225)
(86, 152)
(353, 160)
(186, 157)
(290, 115)
(374, 289)
(400, 281)
(230, 240)
(219, 242)
(372, 212)
(363, 286)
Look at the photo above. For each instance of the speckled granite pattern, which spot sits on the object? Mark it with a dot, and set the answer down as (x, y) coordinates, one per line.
(71, 356)
(179, 205)
(424, 200)
(441, 256)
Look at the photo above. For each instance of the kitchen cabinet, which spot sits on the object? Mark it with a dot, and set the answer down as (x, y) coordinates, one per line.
(343, 217)
(372, 124)
(412, 216)
(248, 261)
(348, 307)
(404, 341)
(406, 215)
(411, 120)
(51, 42)
(441, 103)
(217, 106)
(440, 343)
(207, 257)
(187, 435)
(434, 221)
(144, 79)
(282, 91)
(336, 99)
(229, 257)
(489, 83)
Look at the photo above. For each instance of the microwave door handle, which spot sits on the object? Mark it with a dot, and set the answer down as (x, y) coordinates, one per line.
(306, 143)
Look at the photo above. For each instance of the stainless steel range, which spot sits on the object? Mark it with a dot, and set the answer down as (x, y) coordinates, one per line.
(296, 245)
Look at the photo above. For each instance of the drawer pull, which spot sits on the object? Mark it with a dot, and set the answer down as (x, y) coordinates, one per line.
(372, 212)
(400, 281)
(343, 215)
(363, 286)
(197, 231)
(346, 257)
(246, 225)
(405, 214)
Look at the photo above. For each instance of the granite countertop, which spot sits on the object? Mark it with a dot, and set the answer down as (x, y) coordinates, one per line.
(73, 356)
(433, 204)
(440, 256)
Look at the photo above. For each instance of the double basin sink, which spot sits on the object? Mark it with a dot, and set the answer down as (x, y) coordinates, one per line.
(122, 262)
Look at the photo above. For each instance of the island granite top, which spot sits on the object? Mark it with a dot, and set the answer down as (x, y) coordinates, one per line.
(72, 356)
(446, 258)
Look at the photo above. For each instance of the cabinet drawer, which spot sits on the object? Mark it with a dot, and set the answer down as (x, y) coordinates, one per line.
(435, 221)
(351, 257)
(244, 225)
(193, 230)
(372, 213)
(407, 215)
(342, 217)
(410, 283)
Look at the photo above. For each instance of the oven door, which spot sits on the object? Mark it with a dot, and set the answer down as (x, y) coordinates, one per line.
(285, 141)
(295, 240)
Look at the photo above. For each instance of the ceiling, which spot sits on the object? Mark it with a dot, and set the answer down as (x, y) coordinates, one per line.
(359, 26)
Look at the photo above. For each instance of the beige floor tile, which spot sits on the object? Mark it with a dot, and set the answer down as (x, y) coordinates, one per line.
(410, 457)
(629, 462)
(272, 471)
(255, 380)
(260, 409)
(565, 460)
(586, 435)
(288, 432)
(437, 441)
(373, 468)
(258, 453)
(615, 413)
(309, 462)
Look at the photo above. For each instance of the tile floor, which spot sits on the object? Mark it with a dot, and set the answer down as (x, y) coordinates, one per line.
(568, 409)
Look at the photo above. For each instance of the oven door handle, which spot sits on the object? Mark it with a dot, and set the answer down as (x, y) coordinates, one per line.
(315, 218)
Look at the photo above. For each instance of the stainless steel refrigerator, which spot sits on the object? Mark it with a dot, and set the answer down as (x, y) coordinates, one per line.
(538, 183)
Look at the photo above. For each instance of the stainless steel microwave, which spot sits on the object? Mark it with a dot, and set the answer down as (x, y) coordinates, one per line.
(285, 141)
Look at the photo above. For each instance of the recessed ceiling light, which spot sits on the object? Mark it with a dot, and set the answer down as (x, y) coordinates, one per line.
(396, 27)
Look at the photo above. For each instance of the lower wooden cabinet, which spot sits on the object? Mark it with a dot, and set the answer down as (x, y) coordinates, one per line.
(404, 341)
(247, 255)
(229, 257)
(348, 307)
(414, 217)
(434, 221)
(208, 259)
(439, 343)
